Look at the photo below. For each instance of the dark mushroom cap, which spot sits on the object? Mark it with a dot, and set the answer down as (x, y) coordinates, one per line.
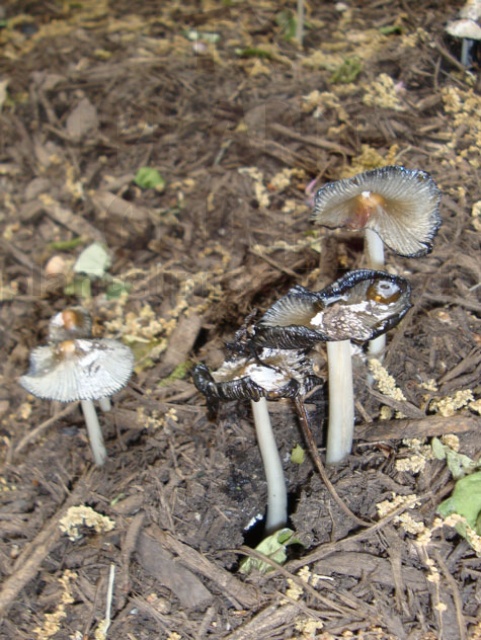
(359, 306)
(400, 205)
(69, 324)
(273, 374)
(78, 370)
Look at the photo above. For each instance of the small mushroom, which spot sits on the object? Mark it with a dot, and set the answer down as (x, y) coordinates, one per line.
(393, 205)
(69, 324)
(80, 369)
(467, 28)
(359, 306)
(273, 373)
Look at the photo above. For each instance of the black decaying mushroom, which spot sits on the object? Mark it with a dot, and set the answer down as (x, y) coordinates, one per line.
(270, 374)
(359, 306)
(82, 369)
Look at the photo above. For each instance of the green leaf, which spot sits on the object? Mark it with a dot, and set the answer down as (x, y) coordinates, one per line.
(207, 36)
(465, 500)
(116, 289)
(298, 455)
(458, 463)
(273, 547)
(93, 261)
(286, 20)
(253, 52)
(148, 178)
(347, 72)
(66, 245)
(390, 29)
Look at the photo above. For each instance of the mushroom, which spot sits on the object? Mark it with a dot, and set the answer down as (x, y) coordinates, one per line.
(393, 205)
(80, 369)
(71, 323)
(359, 306)
(467, 28)
(272, 374)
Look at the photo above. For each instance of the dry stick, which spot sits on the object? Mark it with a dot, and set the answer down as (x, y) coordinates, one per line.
(304, 420)
(35, 553)
(458, 604)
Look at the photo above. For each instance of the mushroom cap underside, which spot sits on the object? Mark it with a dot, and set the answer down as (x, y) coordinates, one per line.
(78, 370)
(400, 205)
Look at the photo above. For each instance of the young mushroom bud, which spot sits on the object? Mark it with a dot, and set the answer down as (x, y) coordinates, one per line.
(84, 370)
(272, 374)
(69, 324)
(359, 306)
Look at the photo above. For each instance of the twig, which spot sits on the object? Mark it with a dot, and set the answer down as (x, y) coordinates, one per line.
(28, 563)
(304, 420)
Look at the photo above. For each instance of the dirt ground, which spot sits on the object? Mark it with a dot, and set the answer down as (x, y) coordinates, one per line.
(238, 119)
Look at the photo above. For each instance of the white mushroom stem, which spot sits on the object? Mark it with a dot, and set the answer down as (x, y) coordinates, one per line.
(375, 256)
(340, 428)
(95, 434)
(276, 484)
(105, 404)
(374, 250)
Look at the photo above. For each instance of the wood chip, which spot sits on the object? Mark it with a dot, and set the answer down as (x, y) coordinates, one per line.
(82, 121)
(161, 564)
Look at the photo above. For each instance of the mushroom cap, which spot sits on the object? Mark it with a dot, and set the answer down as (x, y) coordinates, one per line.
(71, 323)
(400, 205)
(361, 305)
(273, 373)
(78, 370)
(471, 10)
(464, 28)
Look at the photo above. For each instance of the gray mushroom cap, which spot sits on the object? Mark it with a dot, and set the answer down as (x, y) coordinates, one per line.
(78, 370)
(359, 306)
(400, 205)
(69, 324)
(464, 28)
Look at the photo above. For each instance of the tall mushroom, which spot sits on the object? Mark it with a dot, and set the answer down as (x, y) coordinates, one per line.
(80, 369)
(393, 205)
(359, 306)
(271, 374)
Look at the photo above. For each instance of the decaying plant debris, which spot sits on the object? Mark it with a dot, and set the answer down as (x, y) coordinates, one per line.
(238, 121)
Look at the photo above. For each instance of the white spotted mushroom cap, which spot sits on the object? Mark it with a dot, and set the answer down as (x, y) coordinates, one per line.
(400, 205)
(78, 370)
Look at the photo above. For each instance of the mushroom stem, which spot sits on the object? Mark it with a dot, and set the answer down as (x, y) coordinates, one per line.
(466, 47)
(105, 404)
(276, 485)
(95, 433)
(374, 250)
(340, 429)
(375, 256)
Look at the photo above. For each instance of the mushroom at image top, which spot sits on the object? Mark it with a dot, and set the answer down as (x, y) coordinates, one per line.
(466, 28)
(359, 306)
(270, 374)
(80, 369)
(393, 205)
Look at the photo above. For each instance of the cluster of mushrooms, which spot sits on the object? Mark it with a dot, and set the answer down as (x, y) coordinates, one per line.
(269, 359)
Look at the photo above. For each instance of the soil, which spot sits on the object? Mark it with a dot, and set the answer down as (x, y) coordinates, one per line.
(239, 120)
